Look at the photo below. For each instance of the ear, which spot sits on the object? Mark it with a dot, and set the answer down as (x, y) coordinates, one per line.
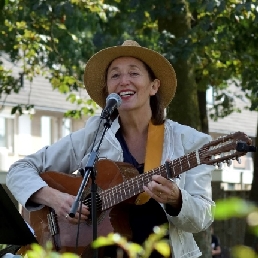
(154, 87)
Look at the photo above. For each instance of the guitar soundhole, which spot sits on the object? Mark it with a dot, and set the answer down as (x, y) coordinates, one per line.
(100, 215)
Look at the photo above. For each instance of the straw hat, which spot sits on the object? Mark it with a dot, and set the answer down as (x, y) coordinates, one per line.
(95, 70)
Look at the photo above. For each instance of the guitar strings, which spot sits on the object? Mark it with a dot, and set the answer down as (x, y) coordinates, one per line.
(126, 187)
(122, 190)
(129, 186)
(118, 193)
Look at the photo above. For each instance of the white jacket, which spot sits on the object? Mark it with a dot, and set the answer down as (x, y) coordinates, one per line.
(71, 152)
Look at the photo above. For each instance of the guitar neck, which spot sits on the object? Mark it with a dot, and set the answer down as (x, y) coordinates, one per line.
(217, 151)
(134, 186)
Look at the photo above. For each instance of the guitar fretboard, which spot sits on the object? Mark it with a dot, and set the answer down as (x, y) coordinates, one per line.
(224, 146)
(134, 186)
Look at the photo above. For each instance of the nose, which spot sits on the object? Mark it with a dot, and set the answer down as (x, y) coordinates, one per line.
(124, 79)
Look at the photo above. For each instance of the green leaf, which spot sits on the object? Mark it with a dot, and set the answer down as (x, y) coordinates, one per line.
(163, 248)
(103, 241)
(232, 207)
(61, 26)
(243, 251)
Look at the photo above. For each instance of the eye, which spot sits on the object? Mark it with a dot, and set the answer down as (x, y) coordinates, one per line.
(114, 76)
(134, 73)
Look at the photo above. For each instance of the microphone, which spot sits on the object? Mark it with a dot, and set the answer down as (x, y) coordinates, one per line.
(113, 101)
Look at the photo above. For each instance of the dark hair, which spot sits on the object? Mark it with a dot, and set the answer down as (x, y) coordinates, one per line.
(157, 107)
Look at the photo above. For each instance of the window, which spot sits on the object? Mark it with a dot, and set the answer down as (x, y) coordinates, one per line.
(210, 96)
(24, 133)
(46, 130)
(246, 162)
(49, 130)
(52, 130)
(7, 133)
(2, 132)
(66, 129)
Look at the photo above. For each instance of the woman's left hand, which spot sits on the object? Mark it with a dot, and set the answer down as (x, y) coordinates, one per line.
(164, 191)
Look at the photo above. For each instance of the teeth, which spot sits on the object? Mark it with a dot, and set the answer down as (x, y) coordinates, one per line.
(126, 93)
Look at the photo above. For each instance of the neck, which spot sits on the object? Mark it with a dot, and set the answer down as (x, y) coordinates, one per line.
(132, 122)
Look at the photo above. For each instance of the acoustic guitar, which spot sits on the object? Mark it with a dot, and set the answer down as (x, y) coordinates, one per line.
(119, 184)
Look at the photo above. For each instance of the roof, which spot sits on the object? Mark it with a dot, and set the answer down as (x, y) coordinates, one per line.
(38, 93)
(246, 121)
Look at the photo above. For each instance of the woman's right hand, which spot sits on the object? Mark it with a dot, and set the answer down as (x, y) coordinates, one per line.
(60, 202)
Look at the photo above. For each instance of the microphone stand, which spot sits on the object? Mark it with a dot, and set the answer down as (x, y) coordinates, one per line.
(89, 171)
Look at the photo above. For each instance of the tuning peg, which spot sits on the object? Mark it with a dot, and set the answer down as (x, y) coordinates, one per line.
(229, 162)
(219, 165)
(232, 152)
(238, 160)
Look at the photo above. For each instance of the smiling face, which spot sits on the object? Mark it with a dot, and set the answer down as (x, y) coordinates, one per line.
(129, 78)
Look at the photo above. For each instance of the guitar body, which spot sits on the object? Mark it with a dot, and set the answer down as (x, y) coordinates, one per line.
(115, 219)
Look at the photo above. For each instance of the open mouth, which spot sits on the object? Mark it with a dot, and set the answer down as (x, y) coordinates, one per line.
(126, 93)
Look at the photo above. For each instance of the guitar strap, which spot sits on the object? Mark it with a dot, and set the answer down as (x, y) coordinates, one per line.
(153, 155)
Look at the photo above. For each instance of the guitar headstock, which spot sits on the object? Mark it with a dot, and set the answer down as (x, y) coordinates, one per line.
(226, 148)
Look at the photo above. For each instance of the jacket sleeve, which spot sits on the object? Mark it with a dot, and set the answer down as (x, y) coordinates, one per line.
(23, 178)
(196, 212)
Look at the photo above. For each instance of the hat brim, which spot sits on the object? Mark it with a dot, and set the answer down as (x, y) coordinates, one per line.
(95, 71)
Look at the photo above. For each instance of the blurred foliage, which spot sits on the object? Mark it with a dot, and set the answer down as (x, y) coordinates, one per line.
(243, 251)
(235, 207)
(49, 38)
(55, 39)
(155, 241)
(238, 208)
(2, 246)
(46, 252)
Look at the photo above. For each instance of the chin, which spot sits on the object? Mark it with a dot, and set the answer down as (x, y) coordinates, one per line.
(125, 108)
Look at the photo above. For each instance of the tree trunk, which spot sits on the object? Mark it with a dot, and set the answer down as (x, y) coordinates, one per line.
(185, 101)
(250, 239)
(203, 111)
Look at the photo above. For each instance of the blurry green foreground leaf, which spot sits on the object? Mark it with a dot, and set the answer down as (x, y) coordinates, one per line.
(132, 249)
(233, 207)
(38, 251)
(163, 248)
(155, 241)
(243, 252)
